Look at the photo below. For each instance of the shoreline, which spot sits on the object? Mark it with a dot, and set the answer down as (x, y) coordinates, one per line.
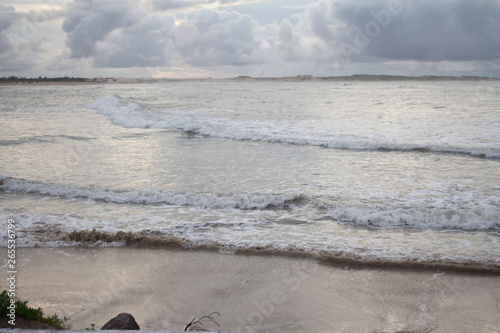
(298, 78)
(93, 238)
(165, 288)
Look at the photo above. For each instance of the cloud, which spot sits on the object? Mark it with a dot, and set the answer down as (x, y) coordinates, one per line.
(184, 4)
(178, 4)
(211, 37)
(142, 45)
(455, 30)
(115, 39)
(7, 17)
(444, 31)
(90, 21)
(16, 53)
(327, 34)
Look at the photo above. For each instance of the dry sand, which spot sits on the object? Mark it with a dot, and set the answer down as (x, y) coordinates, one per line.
(165, 289)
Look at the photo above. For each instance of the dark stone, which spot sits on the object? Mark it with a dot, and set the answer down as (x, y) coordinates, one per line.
(124, 321)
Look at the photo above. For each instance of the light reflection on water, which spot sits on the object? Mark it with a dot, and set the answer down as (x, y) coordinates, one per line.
(393, 202)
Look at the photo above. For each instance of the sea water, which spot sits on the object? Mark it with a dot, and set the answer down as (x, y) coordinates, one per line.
(401, 172)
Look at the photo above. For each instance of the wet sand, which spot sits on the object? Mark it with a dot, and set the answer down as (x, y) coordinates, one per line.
(167, 288)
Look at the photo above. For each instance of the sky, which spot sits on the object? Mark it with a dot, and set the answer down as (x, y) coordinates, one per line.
(228, 38)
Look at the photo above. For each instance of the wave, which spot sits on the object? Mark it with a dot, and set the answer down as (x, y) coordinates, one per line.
(476, 216)
(43, 139)
(461, 214)
(333, 255)
(132, 115)
(339, 256)
(11, 142)
(152, 196)
(289, 208)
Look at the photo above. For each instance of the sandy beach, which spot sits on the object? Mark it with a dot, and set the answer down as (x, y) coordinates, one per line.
(167, 288)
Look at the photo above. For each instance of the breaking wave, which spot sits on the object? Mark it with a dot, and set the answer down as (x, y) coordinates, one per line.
(339, 255)
(132, 115)
(152, 196)
(461, 214)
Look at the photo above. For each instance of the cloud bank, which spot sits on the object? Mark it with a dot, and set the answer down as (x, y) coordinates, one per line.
(210, 33)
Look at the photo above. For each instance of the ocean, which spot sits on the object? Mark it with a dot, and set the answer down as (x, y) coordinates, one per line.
(399, 172)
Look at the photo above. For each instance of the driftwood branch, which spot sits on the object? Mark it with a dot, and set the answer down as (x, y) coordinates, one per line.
(199, 321)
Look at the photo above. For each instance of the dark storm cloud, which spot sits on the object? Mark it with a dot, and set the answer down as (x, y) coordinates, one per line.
(434, 31)
(424, 30)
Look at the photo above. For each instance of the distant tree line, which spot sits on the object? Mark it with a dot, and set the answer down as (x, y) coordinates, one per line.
(18, 79)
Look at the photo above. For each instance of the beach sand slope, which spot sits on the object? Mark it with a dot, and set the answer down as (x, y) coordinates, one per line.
(165, 289)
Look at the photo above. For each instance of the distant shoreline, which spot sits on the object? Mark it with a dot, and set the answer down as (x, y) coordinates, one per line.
(299, 78)
(366, 77)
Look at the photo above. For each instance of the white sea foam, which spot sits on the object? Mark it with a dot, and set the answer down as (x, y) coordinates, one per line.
(152, 196)
(338, 134)
(462, 213)
(471, 249)
(478, 217)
